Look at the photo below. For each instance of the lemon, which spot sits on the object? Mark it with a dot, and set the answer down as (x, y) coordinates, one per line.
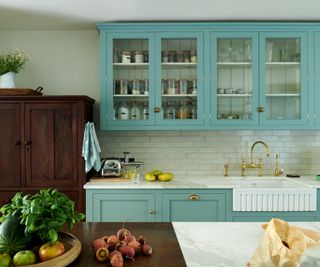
(150, 177)
(166, 176)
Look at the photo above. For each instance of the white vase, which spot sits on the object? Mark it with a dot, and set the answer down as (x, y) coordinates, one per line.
(7, 80)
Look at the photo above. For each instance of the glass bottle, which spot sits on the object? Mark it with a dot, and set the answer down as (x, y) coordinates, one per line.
(134, 111)
(123, 113)
(145, 111)
(136, 87)
(124, 87)
(171, 111)
(116, 111)
(182, 111)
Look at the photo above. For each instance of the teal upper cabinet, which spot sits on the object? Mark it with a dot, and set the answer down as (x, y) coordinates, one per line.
(234, 78)
(283, 79)
(209, 75)
(317, 79)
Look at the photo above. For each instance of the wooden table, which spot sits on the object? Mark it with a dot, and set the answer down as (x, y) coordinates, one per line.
(161, 236)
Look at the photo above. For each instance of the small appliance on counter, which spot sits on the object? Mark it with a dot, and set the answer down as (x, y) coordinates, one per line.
(111, 167)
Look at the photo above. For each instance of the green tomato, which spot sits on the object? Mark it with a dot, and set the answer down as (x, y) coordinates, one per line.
(24, 257)
(5, 260)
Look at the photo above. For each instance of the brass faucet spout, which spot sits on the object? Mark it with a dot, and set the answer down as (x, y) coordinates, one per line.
(251, 164)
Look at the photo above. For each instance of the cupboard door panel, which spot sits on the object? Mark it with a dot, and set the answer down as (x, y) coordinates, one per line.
(51, 144)
(10, 144)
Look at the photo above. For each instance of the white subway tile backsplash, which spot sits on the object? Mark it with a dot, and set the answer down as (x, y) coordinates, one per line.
(205, 152)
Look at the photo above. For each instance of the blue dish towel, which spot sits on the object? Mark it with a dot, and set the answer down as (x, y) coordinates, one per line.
(91, 148)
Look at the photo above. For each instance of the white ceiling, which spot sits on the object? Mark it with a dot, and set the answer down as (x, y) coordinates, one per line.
(84, 14)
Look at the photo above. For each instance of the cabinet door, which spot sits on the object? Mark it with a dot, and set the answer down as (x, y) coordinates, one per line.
(284, 85)
(120, 207)
(179, 78)
(6, 196)
(127, 79)
(317, 78)
(51, 144)
(234, 78)
(10, 145)
(194, 206)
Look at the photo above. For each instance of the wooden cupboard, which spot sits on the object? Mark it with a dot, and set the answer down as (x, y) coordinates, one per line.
(41, 143)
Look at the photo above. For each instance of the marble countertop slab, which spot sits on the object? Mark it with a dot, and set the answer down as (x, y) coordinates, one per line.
(230, 244)
(192, 182)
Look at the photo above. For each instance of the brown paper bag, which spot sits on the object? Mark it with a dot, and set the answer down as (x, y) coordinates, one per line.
(282, 245)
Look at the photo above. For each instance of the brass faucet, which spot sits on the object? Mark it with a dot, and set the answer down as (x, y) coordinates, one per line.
(226, 170)
(277, 171)
(251, 164)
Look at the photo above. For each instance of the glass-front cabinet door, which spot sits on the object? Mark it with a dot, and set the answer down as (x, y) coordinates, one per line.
(179, 79)
(129, 79)
(317, 79)
(234, 78)
(283, 65)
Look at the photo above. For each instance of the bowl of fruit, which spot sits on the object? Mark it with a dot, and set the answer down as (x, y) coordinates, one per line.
(31, 230)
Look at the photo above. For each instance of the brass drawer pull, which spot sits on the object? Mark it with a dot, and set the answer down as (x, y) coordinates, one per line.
(194, 197)
(260, 109)
(152, 211)
(156, 109)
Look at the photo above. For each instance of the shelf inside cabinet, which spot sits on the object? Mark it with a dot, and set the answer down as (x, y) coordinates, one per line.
(179, 64)
(131, 65)
(179, 95)
(131, 96)
(234, 95)
(282, 95)
(234, 63)
(283, 64)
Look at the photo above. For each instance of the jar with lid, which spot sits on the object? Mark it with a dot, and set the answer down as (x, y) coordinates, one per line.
(193, 56)
(145, 111)
(180, 56)
(126, 57)
(123, 112)
(145, 87)
(138, 57)
(183, 86)
(146, 56)
(186, 56)
(171, 86)
(172, 56)
(124, 87)
(116, 55)
(182, 111)
(136, 87)
(171, 111)
(165, 57)
(134, 111)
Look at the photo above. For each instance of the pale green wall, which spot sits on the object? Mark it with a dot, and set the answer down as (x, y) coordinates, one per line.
(63, 62)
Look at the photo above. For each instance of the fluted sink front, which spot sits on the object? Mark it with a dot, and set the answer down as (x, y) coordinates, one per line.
(272, 195)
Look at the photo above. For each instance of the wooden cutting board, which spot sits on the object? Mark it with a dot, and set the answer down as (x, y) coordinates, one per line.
(109, 179)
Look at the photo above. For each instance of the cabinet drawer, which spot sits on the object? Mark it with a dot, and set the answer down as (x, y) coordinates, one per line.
(120, 207)
(194, 206)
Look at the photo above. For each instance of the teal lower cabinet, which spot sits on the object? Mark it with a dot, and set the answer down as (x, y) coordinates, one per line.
(120, 206)
(194, 205)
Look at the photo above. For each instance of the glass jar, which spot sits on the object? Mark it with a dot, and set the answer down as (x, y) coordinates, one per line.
(182, 111)
(171, 83)
(123, 112)
(180, 56)
(116, 55)
(138, 57)
(126, 57)
(193, 55)
(116, 87)
(145, 111)
(116, 111)
(136, 87)
(146, 56)
(186, 56)
(164, 87)
(165, 56)
(172, 56)
(183, 86)
(134, 111)
(145, 87)
(171, 111)
(124, 87)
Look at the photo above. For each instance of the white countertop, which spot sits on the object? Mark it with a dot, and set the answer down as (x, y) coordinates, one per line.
(196, 182)
(223, 244)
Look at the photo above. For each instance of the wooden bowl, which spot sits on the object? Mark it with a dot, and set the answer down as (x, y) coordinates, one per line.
(72, 250)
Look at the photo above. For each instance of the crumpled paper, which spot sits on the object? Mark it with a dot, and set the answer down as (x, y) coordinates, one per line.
(282, 245)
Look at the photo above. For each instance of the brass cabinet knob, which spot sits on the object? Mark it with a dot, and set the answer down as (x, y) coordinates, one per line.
(156, 109)
(152, 211)
(260, 109)
(27, 143)
(194, 197)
